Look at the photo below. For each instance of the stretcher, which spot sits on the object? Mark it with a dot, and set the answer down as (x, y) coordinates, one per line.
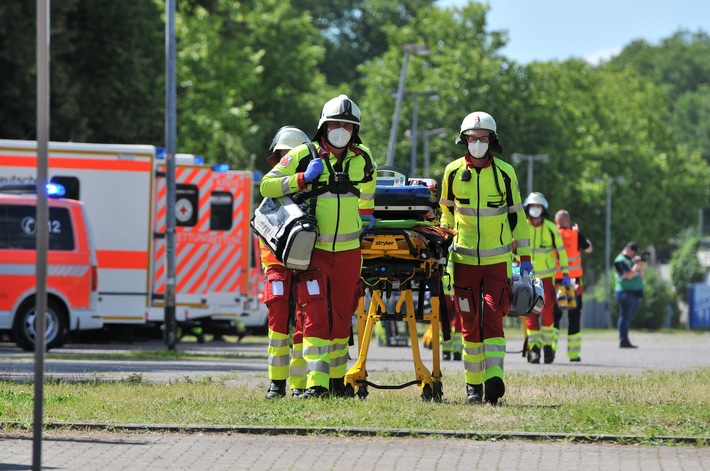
(404, 261)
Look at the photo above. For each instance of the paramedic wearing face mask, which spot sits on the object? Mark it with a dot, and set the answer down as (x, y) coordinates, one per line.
(548, 251)
(341, 184)
(279, 298)
(480, 199)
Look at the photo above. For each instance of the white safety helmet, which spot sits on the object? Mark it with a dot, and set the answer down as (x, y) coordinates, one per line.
(480, 120)
(286, 138)
(341, 109)
(535, 198)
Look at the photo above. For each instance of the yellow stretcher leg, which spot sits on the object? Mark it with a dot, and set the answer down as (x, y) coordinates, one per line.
(355, 379)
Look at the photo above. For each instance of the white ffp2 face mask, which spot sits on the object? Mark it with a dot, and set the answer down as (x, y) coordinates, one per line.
(477, 149)
(339, 137)
(535, 211)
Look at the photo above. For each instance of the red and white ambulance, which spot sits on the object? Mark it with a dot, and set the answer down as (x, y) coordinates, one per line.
(124, 190)
(71, 283)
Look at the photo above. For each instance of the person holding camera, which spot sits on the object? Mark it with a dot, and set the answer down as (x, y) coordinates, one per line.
(630, 269)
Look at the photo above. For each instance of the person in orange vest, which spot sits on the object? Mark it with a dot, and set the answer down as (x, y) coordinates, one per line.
(547, 250)
(279, 297)
(575, 243)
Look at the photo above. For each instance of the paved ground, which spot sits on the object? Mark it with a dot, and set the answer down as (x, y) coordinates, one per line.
(216, 451)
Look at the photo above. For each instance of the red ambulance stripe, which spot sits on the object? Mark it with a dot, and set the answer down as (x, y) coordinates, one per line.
(129, 259)
(191, 275)
(75, 163)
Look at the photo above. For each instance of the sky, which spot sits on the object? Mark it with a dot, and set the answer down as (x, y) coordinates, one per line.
(596, 30)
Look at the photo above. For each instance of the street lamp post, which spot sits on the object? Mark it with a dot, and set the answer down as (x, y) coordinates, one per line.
(421, 49)
(543, 158)
(438, 132)
(415, 122)
(607, 249)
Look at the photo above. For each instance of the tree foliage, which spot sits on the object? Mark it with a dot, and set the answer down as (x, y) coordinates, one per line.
(244, 69)
(685, 267)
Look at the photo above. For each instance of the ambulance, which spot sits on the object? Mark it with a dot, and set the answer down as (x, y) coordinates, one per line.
(71, 283)
(124, 190)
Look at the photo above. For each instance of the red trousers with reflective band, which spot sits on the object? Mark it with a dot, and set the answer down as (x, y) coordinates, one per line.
(547, 315)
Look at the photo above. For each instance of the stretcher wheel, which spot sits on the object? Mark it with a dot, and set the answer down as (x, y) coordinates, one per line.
(438, 391)
(349, 391)
(362, 392)
(427, 393)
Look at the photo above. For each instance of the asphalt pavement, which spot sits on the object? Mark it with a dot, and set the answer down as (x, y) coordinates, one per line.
(258, 449)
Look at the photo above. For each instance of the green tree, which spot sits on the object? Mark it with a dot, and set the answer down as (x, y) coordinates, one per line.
(464, 67)
(691, 120)
(685, 266)
(103, 75)
(355, 32)
(244, 70)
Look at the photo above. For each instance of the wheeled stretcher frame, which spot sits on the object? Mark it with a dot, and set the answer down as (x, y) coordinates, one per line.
(392, 262)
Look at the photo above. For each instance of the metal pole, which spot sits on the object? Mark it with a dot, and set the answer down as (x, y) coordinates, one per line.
(170, 333)
(413, 159)
(607, 252)
(530, 173)
(42, 218)
(397, 109)
(426, 154)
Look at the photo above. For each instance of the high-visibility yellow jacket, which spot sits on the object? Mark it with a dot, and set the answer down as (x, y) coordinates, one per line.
(483, 205)
(545, 240)
(338, 204)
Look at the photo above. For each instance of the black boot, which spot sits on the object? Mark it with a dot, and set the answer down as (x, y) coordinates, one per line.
(295, 392)
(446, 356)
(549, 353)
(534, 355)
(277, 388)
(315, 391)
(337, 387)
(457, 356)
(495, 389)
(474, 393)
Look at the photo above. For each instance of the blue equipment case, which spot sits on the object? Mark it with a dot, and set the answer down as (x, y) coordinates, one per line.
(405, 202)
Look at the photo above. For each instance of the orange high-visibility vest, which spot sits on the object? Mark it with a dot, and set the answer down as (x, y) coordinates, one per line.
(570, 238)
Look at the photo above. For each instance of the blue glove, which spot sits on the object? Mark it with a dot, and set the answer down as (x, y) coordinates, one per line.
(526, 268)
(565, 281)
(370, 218)
(313, 171)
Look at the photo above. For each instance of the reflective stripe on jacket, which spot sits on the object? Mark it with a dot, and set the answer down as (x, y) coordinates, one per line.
(337, 214)
(486, 211)
(570, 239)
(545, 240)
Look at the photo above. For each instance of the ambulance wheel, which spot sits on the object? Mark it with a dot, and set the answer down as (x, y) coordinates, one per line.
(57, 325)
(438, 391)
(427, 393)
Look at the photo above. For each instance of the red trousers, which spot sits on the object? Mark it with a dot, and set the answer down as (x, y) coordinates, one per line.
(328, 292)
(547, 313)
(470, 283)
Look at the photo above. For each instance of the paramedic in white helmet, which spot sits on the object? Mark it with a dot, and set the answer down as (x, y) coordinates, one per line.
(280, 299)
(480, 199)
(341, 185)
(548, 252)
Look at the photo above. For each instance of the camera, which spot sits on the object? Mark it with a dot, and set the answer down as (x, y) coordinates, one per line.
(643, 256)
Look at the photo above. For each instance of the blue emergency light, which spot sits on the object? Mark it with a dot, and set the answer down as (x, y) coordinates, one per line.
(55, 190)
(220, 167)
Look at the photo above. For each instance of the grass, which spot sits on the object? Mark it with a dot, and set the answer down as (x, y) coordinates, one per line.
(652, 405)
